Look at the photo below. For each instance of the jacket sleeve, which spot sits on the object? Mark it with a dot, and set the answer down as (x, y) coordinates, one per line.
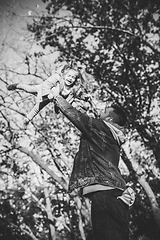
(79, 120)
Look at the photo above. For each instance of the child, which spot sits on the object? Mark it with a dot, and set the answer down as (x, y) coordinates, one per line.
(69, 80)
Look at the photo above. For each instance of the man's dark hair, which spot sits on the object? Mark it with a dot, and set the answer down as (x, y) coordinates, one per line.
(122, 118)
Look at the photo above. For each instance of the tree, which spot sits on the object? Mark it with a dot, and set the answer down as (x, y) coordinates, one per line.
(41, 209)
(117, 42)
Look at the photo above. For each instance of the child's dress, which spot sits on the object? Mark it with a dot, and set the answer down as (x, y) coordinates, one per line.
(43, 90)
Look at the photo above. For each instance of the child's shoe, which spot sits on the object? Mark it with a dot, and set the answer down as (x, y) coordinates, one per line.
(25, 123)
(12, 86)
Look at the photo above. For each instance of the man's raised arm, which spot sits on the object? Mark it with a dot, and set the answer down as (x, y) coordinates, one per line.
(80, 120)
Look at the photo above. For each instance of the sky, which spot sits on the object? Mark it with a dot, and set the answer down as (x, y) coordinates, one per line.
(22, 8)
(14, 14)
(20, 5)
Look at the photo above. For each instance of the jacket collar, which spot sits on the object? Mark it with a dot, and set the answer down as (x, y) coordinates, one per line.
(117, 131)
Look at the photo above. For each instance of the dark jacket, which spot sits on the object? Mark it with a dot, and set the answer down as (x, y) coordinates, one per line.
(97, 160)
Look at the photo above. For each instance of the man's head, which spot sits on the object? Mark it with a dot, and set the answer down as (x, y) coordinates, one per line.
(114, 114)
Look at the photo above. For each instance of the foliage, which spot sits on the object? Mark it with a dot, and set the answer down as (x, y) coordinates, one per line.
(117, 42)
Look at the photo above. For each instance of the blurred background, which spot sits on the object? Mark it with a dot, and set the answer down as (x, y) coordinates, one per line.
(118, 43)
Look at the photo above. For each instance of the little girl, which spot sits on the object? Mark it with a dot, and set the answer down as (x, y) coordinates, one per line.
(68, 78)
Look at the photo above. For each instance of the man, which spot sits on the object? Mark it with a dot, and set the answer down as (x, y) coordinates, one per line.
(95, 171)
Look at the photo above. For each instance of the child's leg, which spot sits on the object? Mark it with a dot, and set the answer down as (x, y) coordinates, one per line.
(28, 88)
(36, 109)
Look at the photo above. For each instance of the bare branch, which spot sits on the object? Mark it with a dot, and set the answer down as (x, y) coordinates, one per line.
(146, 187)
(37, 160)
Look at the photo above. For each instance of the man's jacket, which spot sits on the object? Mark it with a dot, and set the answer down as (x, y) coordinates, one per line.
(97, 160)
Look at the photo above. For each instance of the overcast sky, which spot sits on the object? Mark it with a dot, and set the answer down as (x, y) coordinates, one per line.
(22, 8)
(14, 15)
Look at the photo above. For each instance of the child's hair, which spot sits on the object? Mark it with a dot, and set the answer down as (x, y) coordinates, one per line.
(63, 68)
(85, 79)
(83, 85)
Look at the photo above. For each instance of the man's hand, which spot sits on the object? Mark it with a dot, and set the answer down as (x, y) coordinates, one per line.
(50, 96)
(54, 92)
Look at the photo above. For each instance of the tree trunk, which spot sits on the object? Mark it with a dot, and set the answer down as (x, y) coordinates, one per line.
(79, 206)
(146, 187)
(37, 160)
(49, 214)
(152, 199)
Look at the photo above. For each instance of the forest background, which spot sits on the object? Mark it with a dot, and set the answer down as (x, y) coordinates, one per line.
(117, 41)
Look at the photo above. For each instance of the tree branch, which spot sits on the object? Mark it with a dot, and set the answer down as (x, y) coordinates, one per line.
(37, 160)
(146, 187)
